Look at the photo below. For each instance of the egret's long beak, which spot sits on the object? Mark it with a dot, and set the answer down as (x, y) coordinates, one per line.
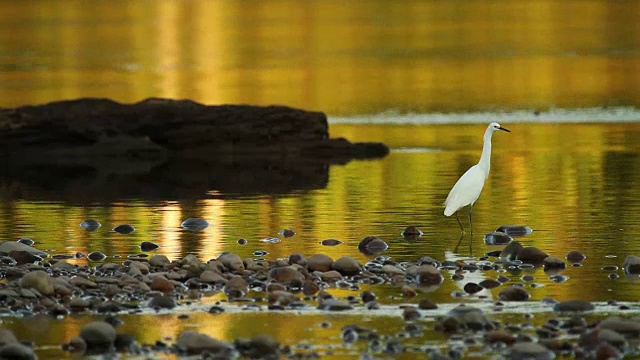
(504, 129)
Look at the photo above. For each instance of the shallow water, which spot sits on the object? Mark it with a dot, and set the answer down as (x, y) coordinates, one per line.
(422, 77)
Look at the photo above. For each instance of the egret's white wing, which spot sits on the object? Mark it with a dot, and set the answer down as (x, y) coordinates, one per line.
(466, 191)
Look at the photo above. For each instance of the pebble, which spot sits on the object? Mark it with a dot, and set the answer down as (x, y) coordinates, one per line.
(347, 266)
(330, 242)
(195, 224)
(17, 351)
(148, 246)
(90, 225)
(530, 351)
(372, 245)
(319, 262)
(513, 293)
(286, 233)
(96, 256)
(162, 302)
(194, 343)
(515, 230)
(573, 306)
(497, 238)
(575, 256)
(98, 336)
(631, 265)
(124, 229)
(334, 305)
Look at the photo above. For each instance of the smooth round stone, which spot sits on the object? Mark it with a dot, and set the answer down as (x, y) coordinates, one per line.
(195, 224)
(497, 238)
(17, 351)
(347, 266)
(411, 314)
(510, 252)
(575, 256)
(610, 268)
(286, 233)
(96, 256)
(330, 242)
(515, 230)
(162, 302)
(530, 351)
(513, 293)
(411, 233)
(334, 305)
(552, 262)
(98, 334)
(573, 306)
(319, 262)
(260, 253)
(38, 280)
(531, 255)
(148, 246)
(558, 278)
(195, 343)
(26, 241)
(90, 224)
(242, 241)
(489, 283)
(472, 288)
(631, 265)
(372, 245)
(124, 229)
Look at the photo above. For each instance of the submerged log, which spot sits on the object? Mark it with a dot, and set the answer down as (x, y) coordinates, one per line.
(98, 149)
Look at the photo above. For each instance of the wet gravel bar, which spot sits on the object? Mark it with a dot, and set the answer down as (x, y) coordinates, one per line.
(342, 293)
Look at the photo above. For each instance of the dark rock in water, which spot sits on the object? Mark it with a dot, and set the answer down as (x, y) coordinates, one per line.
(515, 230)
(632, 265)
(330, 242)
(411, 314)
(610, 268)
(62, 256)
(231, 261)
(552, 262)
(124, 343)
(24, 257)
(297, 258)
(7, 260)
(162, 302)
(429, 276)
(334, 305)
(17, 351)
(513, 293)
(575, 256)
(411, 233)
(194, 343)
(99, 337)
(530, 351)
(426, 304)
(573, 306)
(629, 328)
(195, 224)
(38, 280)
(285, 274)
(9, 246)
(531, 255)
(497, 238)
(148, 246)
(372, 245)
(347, 266)
(90, 225)
(490, 283)
(472, 288)
(159, 260)
(96, 256)
(499, 336)
(494, 253)
(319, 262)
(259, 347)
(124, 229)
(26, 241)
(7, 337)
(471, 317)
(216, 310)
(242, 241)
(286, 233)
(236, 287)
(281, 298)
(510, 252)
(260, 253)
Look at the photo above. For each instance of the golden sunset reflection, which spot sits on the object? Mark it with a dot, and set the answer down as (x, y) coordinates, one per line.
(338, 57)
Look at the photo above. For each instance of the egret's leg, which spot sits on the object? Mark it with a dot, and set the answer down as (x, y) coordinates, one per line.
(459, 223)
(470, 221)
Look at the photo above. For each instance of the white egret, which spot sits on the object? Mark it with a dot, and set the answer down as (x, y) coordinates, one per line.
(467, 189)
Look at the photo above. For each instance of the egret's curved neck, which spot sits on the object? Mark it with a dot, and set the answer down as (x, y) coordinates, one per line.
(485, 159)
